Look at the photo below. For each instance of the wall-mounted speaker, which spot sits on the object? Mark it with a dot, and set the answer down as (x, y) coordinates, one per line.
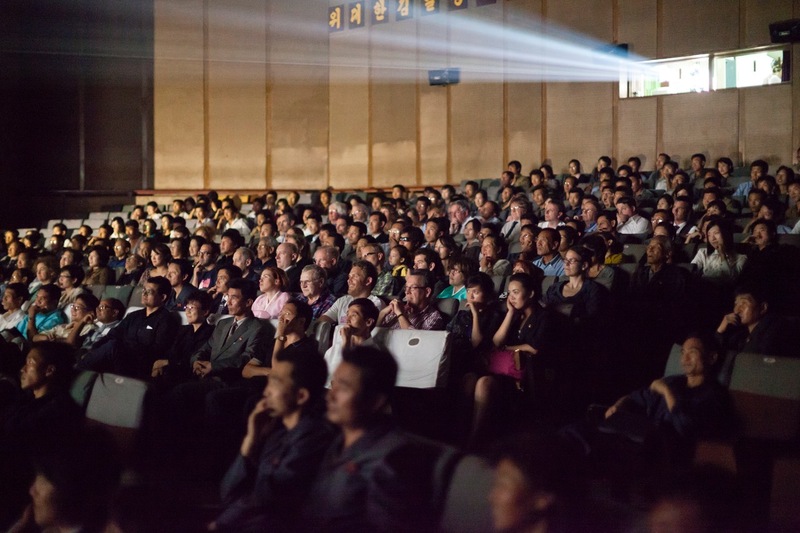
(785, 31)
(448, 76)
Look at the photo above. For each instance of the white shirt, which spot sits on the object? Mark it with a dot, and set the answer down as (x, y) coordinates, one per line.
(713, 266)
(635, 224)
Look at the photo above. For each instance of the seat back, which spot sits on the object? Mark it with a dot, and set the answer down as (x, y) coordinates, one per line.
(423, 357)
(136, 295)
(322, 331)
(118, 404)
(120, 292)
(766, 395)
(81, 388)
(466, 508)
(448, 307)
(634, 250)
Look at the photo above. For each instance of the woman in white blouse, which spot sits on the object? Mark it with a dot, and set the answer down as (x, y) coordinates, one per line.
(719, 260)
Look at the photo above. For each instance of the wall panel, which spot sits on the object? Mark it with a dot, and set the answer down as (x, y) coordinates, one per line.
(393, 106)
(758, 15)
(638, 124)
(638, 26)
(298, 96)
(236, 94)
(476, 110)
(433, 105)
(765, 123)
(349, 109)
(178, 94)
(705, 123)
(578, 122)
(691, 27)
(523, 98)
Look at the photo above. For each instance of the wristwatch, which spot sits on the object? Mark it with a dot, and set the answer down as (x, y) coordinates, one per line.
(282, 338)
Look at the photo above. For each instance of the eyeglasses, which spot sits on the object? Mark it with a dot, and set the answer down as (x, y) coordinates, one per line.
(77, 307)
(103, 307)
(148, 292)
(404, 239)
(306, 282)
(191, 307)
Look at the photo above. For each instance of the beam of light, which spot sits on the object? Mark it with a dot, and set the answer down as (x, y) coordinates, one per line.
(523, 49)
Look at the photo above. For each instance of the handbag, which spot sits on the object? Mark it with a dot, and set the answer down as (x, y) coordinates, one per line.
(505, 363)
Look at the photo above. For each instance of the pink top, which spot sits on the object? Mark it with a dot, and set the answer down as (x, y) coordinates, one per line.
(263, 308)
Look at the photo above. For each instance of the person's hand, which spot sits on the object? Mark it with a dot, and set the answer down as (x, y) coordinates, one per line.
(346, 332)
(26, 522)
(201, 368)
(397, 307)
(259, 424)
(510, 308)
(731, 319)
(88, 319)
(611, 410)
(158, 367)
(658, 386)
(474, 307)
(32, 310)
(283, 321)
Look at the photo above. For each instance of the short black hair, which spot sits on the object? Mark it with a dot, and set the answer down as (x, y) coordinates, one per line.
(52, 291)
(304, 311)
(248, 288)
(162, 285)
(202, 299)
(378, 370)
(59, 355)
(309, 371)
(368, 308)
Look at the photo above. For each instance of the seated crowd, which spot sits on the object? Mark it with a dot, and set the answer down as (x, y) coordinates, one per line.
(559, 294)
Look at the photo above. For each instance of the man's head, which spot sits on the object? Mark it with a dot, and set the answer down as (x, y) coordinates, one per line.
(419, 288)
(85, 304)
(681, 209)
(298, 316)
(47, 367)
(548, 242)
(763, 232)
(458, 212)
(229, 242)
(626, 208)
(296, 383)
(156, 292)
(110, 310)
(326, 257)
(758, 169)
(243, 257)
(553, 210)
(434, 228)
(750, 305)
(699, 354)
(361, 387)
(14, 296)
(659, 251)
(207, 255)
(411, 237)
(377, 221)
(355, 231)
(362, 316)
(361, 279)
(241, 295)
(47, 298)
(312, 281)
(286, 255)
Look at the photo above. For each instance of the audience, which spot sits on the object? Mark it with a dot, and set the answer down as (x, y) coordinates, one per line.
(526, 359)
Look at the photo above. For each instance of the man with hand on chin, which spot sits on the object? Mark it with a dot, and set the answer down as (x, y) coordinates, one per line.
(417, 312)
(285, 441)
(362, 317)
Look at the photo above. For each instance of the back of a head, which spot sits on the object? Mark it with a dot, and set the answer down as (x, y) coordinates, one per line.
(309, 371)
(378, 370)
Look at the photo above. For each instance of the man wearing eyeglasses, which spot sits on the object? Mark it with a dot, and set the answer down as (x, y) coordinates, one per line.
(84, 308)
(417, 312)
(314, 290)
(131, 348)
(510, 230)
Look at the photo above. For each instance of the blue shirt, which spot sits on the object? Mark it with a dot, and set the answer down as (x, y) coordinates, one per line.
(553, 268)
(43, 321)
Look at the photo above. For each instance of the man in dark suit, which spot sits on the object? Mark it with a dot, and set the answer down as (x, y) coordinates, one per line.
(218, 364)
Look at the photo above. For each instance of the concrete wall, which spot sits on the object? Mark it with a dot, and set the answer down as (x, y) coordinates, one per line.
(232, 109)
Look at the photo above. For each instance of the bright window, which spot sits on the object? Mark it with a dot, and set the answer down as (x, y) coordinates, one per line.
(701, 73)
